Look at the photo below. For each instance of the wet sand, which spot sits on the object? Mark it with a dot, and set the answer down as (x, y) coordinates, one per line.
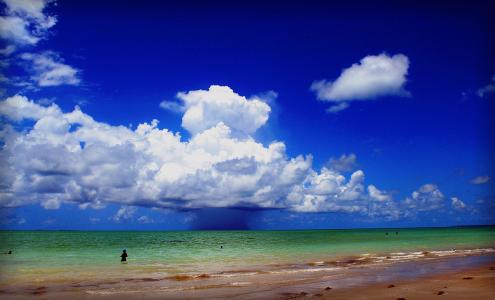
(466, 277)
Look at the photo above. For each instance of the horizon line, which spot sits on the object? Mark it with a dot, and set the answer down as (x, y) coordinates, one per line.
(308, 229)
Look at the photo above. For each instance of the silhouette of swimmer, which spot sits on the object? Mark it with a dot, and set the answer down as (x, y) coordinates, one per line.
(396, 233)
(123, 255)
(10, 252)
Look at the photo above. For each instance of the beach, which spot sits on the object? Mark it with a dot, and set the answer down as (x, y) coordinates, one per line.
(471, 283)
(453, 278)
(328, 264)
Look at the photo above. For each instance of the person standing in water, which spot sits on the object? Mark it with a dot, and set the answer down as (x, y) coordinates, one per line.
(123, 256)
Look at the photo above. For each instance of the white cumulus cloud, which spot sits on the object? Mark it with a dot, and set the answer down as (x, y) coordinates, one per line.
(24, 21)
(428, 197)
(52, 203)
(125, 213)
(345, 163)
(172, 106)
(220, 104)
(457, 203)
(329, 191)
(68, 157)
(49, 69)
(374, 76)
(15, 29)
(377, 194)
(18, 108)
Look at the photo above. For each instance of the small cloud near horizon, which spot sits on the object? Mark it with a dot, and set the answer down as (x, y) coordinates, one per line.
(480, 179)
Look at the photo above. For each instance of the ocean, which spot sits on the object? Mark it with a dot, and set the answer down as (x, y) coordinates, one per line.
(77, 256)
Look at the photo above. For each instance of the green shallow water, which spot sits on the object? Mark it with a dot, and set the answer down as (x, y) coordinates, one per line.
(198, 251)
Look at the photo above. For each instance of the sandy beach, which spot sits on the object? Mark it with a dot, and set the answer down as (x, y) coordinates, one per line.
(357, 264)
(478, 283)
(467, 277)
(475, 283)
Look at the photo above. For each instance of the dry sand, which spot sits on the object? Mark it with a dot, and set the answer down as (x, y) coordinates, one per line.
(478, 283)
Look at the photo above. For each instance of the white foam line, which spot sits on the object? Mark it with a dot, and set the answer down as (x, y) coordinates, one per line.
(303, 270)
(242, 283)
(235, 274)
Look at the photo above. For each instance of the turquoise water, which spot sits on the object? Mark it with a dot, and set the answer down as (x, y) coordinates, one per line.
(172, 252)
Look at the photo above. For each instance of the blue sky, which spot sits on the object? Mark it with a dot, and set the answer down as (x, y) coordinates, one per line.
(268, 116)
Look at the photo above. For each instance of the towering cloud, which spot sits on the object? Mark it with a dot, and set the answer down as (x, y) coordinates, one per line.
(68, 157)
(205, 109)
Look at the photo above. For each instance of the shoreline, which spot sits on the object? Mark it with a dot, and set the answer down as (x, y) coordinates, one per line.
(356, 278)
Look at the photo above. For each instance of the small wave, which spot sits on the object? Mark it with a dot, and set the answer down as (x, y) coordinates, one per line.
(241, 283)
(111, 292)
(309, 270)
(233, 273)
(404, 256)
(462, 251)
(203, 287)
(236, 274)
